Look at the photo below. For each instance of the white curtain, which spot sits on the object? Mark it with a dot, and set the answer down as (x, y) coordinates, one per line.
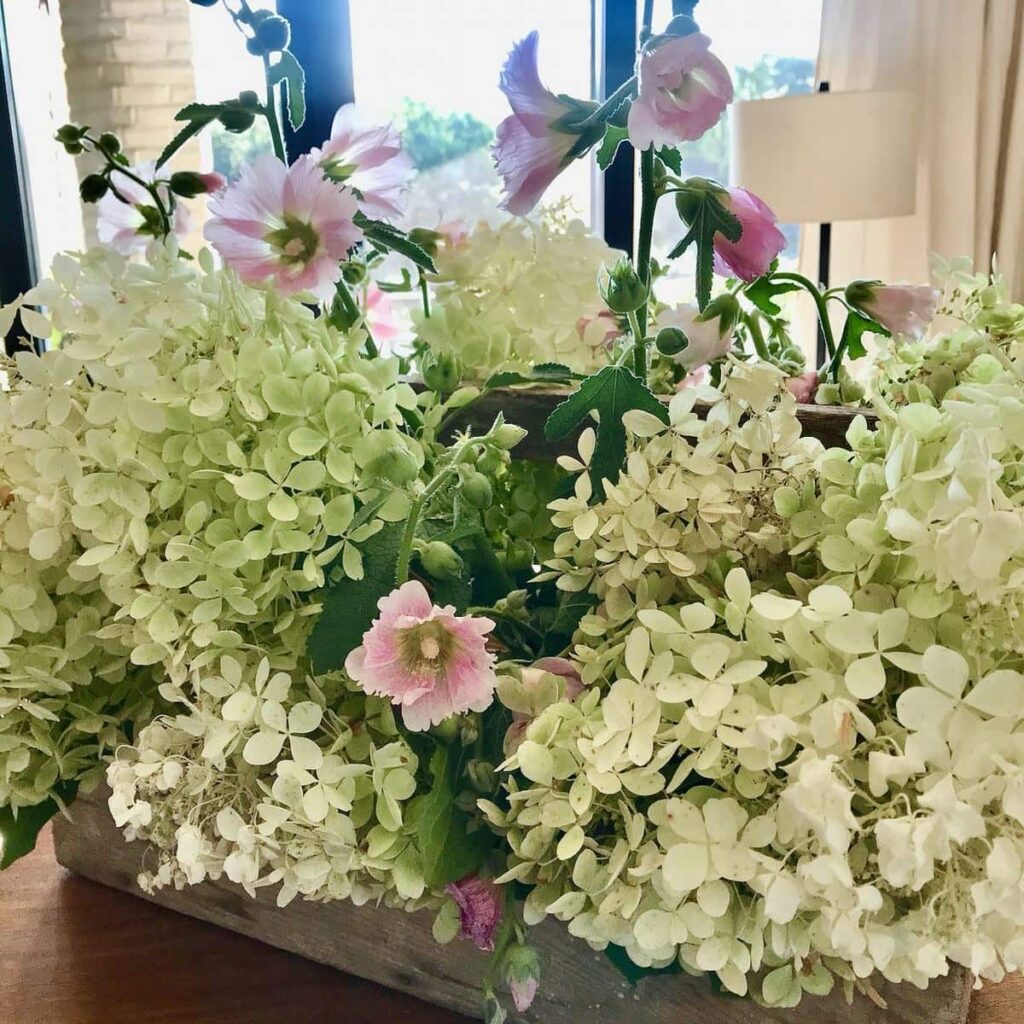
(962, 60)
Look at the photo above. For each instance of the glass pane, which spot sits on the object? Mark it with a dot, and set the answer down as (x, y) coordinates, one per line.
(770, 49)
(436, 76)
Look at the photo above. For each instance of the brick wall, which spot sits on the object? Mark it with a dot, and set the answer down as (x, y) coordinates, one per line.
(129, 69)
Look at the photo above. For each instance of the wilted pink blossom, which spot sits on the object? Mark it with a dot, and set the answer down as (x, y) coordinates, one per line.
(804, 387)
(284, 225)
(902, 309)
(480, 905)
(682, 91)
(759, 244)
(529, 152)
(707, 338)
(532, 677)
(122, 225)
(428, 660)
(367, 157)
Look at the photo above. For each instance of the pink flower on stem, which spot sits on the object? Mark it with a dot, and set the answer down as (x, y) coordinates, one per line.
(522, 974)
(284, 225)
(428, 660)
(759, 244)
(707, 339)
(532, 678)
(121, 223)
(369, 159)
(804, 387)
(682, 91)
(902, 309)
(480, 905)
(529, 152)
(381, 318)
(213, 182)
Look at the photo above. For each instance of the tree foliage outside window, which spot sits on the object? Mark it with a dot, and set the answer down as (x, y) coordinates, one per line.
(432, 138)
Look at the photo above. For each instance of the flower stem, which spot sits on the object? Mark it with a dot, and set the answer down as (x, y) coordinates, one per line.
(270, 112)
(112, 165)
(351, 314)
(425, 295)
(757, 337)
(648, 204)
(639, 349)
(609, 106)
(416, 510)
(819, 302)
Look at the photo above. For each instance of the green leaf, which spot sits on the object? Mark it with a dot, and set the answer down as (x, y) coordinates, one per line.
(447, 852)
(386, 237)
(18, 834)
(350, 606)
(706, 216)
(856, 326)
(191, 129)
(571, 608)
(632, 972)
(543, 373)
(763, 292)
(289, 71)
(611, 393)
(614, 136)
(671, 158)
(200, 112)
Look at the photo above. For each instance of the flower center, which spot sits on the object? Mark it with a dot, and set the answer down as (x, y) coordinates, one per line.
(337, 171)
(426, 647)
(296, 243)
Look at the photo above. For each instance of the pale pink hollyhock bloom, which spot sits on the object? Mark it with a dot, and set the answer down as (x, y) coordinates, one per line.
(480, 905)
(120, 224)
(523, 992)
(381, 317)
(284, 225)
(682, 91)
(600, 330)
(529, 153)
(454, 234)
(531, 679)
(759, 244)
(707, 340)
(804, 387)
(428, 660)
(367, 157)
(903, 309)
(213, 182)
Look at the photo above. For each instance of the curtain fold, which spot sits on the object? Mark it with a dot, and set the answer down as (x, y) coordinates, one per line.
(961, 59)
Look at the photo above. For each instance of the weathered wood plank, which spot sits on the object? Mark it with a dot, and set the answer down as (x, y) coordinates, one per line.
(530, 408)
(397, 950)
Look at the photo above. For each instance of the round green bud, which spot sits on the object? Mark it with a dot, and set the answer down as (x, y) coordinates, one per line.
(68, 133)
(724, 308)
(236, 120)
(441, 560)
(397, 465)
(249, 99)
(476, 489)
(205, 3)
(519, 554)
(187, 184)
(273, 34)
(690, 198)
(353, 272)
(441, 373)
(110, 143)
(93, 188)
(482, 776)
(671, 341)
(491, 461)
(507, 436)
(74, 148)
(621, 287)
(426, 239)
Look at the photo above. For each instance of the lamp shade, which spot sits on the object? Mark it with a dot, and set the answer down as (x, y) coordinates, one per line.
(828, 156)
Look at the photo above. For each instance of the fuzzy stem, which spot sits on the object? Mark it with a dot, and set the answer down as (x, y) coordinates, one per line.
(270, 112)
(416, 510)
(819, 302)
(424, 295)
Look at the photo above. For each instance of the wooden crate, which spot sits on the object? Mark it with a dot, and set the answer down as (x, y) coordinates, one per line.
(397, 949)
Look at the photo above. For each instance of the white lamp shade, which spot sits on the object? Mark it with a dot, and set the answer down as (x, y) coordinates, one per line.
(828, 156)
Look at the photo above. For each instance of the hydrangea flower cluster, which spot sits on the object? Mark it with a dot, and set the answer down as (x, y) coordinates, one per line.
(519, 295)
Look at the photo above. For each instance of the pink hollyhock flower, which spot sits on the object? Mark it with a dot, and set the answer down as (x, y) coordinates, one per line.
(682, 91)
(707, 338)
(529, 153)
(903, 309)
(759, 244)
(480, 905)
(122, 225)
(213, 182)
(600, 330)
(428, 660)
(285, 225)
(804, 387)
(369, 159)
(381, 318)
(531, 679)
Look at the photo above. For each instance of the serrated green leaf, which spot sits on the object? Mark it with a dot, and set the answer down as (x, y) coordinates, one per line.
(387, 237)
(614, 136)
(611, 393)
(191, 129)
(200, 111)
(544, 373)
(350, 606)
(706, 217)
(18, 834)
(289, 71)
(856, 326)
(763, 292)
(671, 158)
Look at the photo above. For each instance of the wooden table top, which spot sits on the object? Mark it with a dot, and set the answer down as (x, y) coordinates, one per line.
(74, 952)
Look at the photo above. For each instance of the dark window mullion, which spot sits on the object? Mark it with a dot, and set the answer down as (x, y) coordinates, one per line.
(322, 42)
(617, 42)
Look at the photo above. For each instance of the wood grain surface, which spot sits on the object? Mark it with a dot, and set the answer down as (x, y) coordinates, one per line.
(397, 950)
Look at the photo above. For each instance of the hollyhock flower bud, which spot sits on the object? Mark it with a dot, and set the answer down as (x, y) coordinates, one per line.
(529, 152)
(522, 975)
(441, 372)
(507, 436)
(708, 334)
(622, 288)
(284, 225)
(480, 906)
(189, 184)
(682, 91)
(441, 560)
(426, 659)
(804, 387)
(93, 188)
(902, 309)
(758, 246)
